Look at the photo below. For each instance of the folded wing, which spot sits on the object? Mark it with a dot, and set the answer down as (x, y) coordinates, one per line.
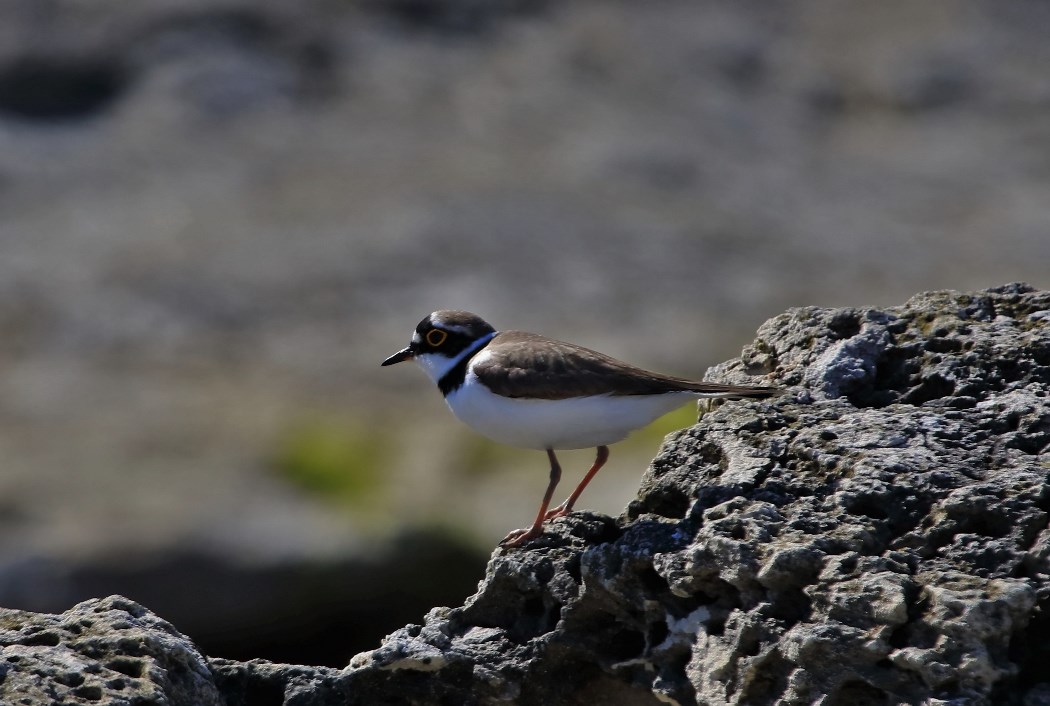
(521, 364)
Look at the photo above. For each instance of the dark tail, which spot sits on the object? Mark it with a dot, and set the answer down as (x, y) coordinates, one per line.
(733, 392)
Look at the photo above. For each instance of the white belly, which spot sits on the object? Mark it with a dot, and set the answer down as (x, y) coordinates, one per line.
(574, 423)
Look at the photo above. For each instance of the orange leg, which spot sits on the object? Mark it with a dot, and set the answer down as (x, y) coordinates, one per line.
(566, 507)
(520, 536)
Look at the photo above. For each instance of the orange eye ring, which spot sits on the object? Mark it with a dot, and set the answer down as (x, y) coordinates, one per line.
(435, 337)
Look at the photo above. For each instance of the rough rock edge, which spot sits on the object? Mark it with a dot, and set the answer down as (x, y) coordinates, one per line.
(877, 535)
(102, 651)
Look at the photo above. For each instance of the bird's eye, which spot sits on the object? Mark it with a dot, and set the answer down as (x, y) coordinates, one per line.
(435, 337)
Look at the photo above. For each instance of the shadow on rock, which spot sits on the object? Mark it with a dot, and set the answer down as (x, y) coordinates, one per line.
(319, 612)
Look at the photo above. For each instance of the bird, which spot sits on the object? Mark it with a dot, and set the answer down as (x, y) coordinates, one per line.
(526, 390)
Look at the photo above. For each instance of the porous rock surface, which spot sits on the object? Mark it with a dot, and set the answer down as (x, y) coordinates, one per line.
(108, 651)
(876, 535)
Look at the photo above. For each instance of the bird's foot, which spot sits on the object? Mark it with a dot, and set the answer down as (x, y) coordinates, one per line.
(560, 511)
(520, 536)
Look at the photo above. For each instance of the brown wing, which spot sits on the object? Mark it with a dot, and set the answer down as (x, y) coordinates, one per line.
(521, 364)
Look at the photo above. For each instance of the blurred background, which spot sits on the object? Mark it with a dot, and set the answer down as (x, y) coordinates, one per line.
(218, 216)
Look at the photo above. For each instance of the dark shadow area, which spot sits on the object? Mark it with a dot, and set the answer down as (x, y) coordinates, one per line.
(52, 89)
(318, 613)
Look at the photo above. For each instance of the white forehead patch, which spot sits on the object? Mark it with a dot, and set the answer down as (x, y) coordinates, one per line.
(436, 319)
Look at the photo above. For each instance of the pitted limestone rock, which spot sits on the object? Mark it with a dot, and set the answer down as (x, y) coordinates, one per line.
(104, 651)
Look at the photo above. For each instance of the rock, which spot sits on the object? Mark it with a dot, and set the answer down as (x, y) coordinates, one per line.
(106, 651)
(259, 682)
(877, 535)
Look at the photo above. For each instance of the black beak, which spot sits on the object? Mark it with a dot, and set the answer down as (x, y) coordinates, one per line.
(402, 355)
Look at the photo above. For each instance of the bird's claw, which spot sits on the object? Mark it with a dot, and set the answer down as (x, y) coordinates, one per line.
(520, 536)
(560, 511)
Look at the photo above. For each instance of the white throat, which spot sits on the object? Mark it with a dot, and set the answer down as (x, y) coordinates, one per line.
(436, 365)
